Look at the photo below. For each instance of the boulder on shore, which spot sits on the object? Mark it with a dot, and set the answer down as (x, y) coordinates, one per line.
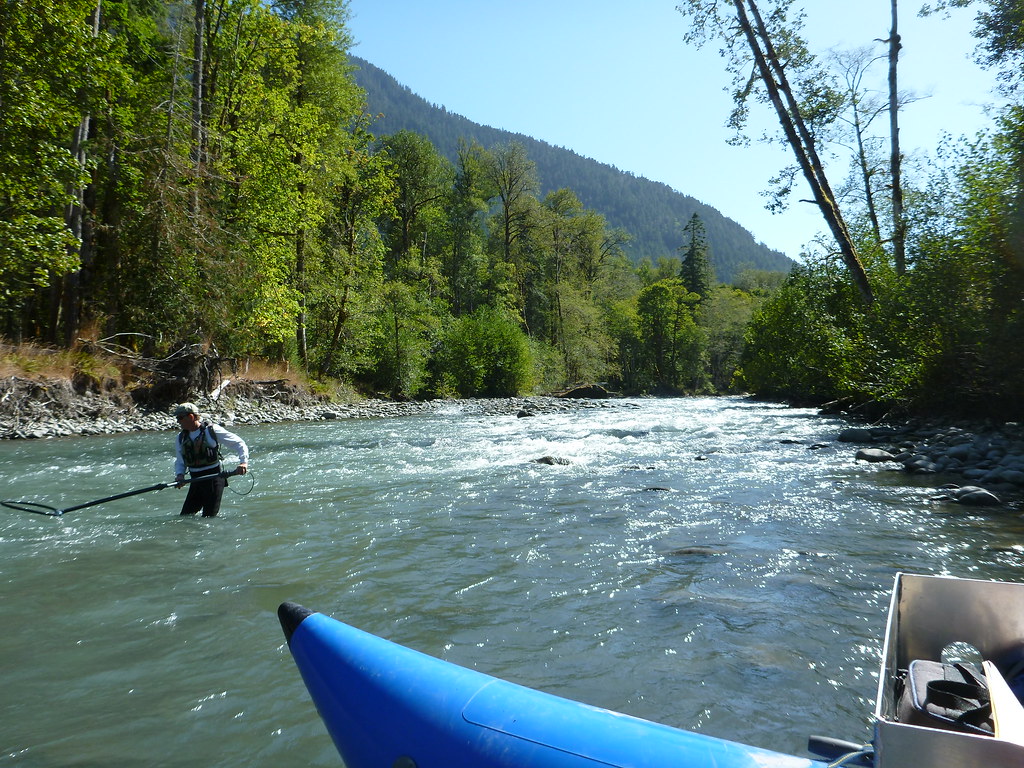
(587, 392)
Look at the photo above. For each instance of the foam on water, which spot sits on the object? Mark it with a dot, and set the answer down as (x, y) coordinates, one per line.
(694, 563)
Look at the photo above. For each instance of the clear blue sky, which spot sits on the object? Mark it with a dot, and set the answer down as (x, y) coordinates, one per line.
(614, 81)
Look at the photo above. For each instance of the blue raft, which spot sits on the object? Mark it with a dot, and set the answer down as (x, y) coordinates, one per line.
(387, 706)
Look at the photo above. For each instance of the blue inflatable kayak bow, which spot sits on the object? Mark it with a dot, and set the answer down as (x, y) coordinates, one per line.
(387, 706)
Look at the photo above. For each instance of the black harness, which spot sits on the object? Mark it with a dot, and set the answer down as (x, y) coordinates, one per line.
(197, 452)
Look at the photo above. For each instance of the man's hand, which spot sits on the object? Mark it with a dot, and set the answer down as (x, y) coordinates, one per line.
(241, 469)
(179, 481)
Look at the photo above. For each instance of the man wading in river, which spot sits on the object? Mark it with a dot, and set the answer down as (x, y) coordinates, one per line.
(197, 449)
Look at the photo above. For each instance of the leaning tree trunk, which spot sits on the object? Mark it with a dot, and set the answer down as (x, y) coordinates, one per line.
(865, 174)
(773, 76)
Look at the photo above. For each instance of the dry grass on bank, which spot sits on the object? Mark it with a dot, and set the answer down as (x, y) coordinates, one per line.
(32, 361)
(264, 370)
(35, 362)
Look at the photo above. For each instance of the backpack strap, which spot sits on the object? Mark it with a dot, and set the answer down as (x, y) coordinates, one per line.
(968, 697)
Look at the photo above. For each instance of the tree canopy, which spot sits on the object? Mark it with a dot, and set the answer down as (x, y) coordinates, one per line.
(209, 172)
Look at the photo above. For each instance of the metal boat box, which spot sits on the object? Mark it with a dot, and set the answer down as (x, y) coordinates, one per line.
(930, 614)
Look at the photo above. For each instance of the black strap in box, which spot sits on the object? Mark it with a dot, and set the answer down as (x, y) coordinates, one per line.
(953, 697)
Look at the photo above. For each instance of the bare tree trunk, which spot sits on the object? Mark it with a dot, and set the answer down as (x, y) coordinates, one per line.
(899, 225)
(198, 55)
(865, 172)
(300, 279)
(172, 103)
(74, 215)
(68, 302)
(854, 65)
(799, 137)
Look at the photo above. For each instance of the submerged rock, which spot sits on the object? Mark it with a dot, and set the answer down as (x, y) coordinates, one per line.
(697, 549)
(873, 455)
(551, 460)
(856, 435)
(971, 495)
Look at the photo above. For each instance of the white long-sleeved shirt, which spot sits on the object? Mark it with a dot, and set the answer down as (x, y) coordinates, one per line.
(229, 440)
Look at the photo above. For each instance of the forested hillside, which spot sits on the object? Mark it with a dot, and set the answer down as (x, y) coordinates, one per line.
(653, 213)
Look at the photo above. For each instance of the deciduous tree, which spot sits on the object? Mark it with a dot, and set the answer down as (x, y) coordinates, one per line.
(670, 338)
(513, 176)
(47, 88)
(787, 76)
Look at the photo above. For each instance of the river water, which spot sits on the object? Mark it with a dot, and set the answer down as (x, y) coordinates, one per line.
(696, 562)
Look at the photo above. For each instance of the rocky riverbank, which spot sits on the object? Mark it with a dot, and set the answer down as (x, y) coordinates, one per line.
(976, 465)
(33, 409)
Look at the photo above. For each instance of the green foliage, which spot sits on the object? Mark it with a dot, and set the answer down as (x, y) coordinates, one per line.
(946, 336)
(758, 282)
(407, 328)
(422, 177)
(462, 259)
(348, 273)
(273, 222)
(724, 316)
(671, 344)
(269, 221)
(966, 292)
(624, 329)
(798, 345)
(485, 354)
(548, 370)
(47, 85)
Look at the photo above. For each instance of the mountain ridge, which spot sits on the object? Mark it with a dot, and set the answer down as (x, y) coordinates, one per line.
(652, 212)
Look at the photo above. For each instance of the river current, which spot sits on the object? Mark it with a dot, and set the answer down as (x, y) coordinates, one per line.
(704, 563)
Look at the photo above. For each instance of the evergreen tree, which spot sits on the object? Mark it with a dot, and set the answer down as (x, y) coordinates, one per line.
(696, 271)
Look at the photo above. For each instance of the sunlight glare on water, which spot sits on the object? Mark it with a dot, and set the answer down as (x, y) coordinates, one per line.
(717, 564)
